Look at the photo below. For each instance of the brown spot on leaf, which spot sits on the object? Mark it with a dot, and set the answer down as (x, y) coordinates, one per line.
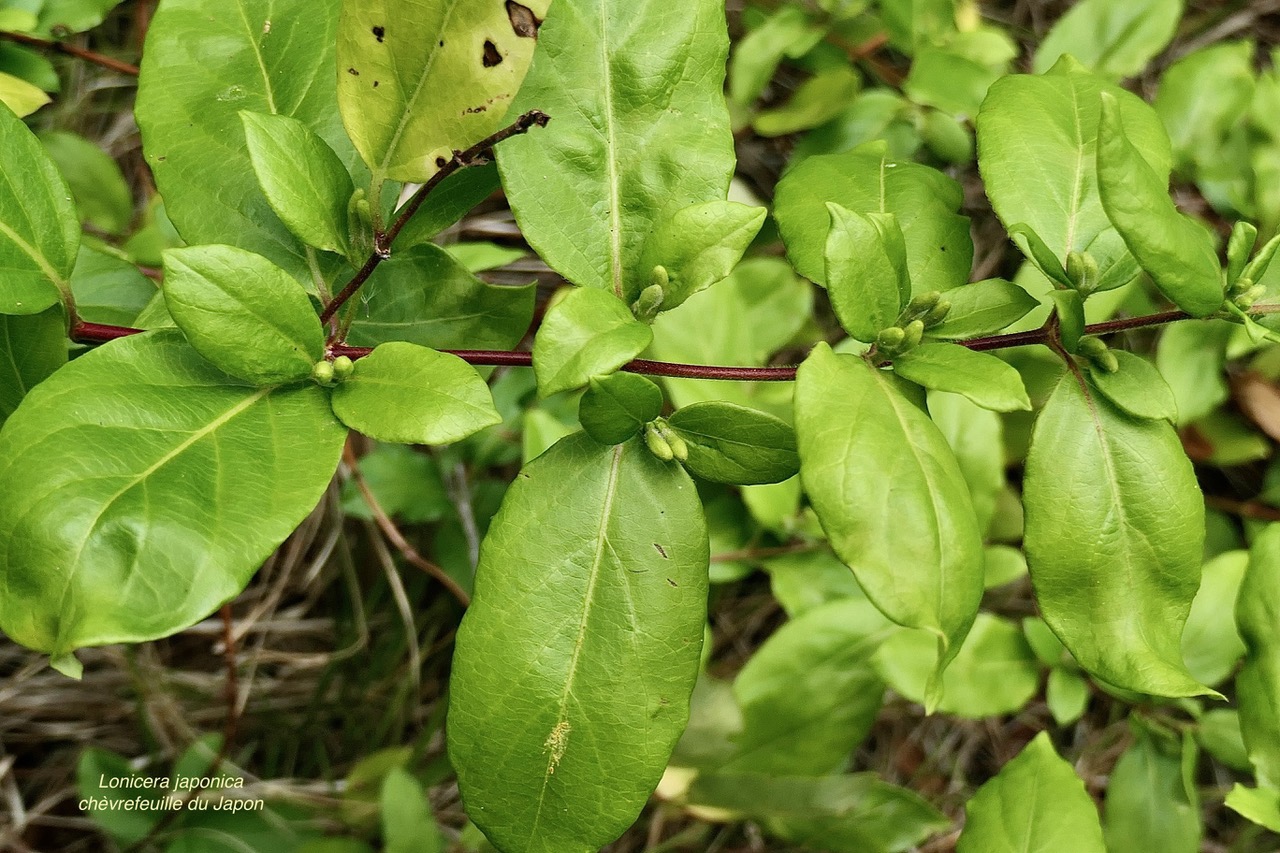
(441, 162)
(380, 33)
(523, 22)
(661, 551)
(375, 84)
(353, 72)
(672, 582)
(491, 56)
(470, 110)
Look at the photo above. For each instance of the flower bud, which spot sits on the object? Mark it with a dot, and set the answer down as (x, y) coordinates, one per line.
(937, 314)
(342, 367)
(890, 339)
(1083, 271)
(913, 333)
(646, 306)
(322, 373)
(657, 445)
(679, 447)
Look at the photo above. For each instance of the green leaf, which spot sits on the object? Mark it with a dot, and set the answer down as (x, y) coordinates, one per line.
(1259, 805)
(1069, 307)
(622, 98)
(1137, 388)
(1114, 532)
(995, 671)
(616, 407)
(1115, 38)
(576, 659)
(975, 435)
(1258, 683)
(939, 249)
(1036, 152)
(409, 394)
(1174, 250)
(406, 483)
(39, 230)
(1211, 646)
(124, 825)
(1067, 695)
(199, 72)
(21, 97)
(32, 347)
(1200, 98)
(943, 78)
(809, 694)
(817, 100)
(1037, 252)
(102, 196)
(424, 296)
(981, 377)
(853, 813)
(786, 32)
(861, 440)
(73, 16)
(1219, 734)
(1149, 805)
(109, 289)
(586, 333)
(418, 81)
(1190, 357)
(982, 308)
(700, 245)
(733, 444)
(1240, 245)
(1036, 804)
(140, 488)
(243, 313)
(451, 200)
(407, 823)
(866, 271)
(303, 179)
(806, 580)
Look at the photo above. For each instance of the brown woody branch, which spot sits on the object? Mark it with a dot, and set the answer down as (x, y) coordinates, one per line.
(70, 50)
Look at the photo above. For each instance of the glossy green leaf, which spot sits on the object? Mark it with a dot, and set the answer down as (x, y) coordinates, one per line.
(424, 296)
(981, 377)
(982, 308)
(806, 580)
(1115, 38)
(809, 694)
(199, 72)
(1260, 805)
(1211, 646)
(1036, 804)
(866, 271)
(939, 250)
(616, 407)
(304, 181)
(1258, 683)
(975, 435)
(102, 196)
(995, 671)
(1137, 388)
(27, 63)
(585, 333)
(140, 488)
(32, 347)
(1036, 151)
(109, 289)
(409, 394)
(1149, 804)
(1114, 532)
(817, 100)
(948, 80)
(21, 97)
(861, 441)
(1038, 252)
(575, 662)
(1176, 252)
(407, 823)
(639, 132)
(417, 81)
(700, 245)
(853, 813)
(733, 444)
(39, 230)
(73, 16)
(243, 313)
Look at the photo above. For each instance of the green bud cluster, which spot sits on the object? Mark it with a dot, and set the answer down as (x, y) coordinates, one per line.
(647, 305)
(664, 442)
(1082, 269)
(328, 373)
(1098, 354)
(360, 225)
(898, 339)
(1244, 293)
(922, 312)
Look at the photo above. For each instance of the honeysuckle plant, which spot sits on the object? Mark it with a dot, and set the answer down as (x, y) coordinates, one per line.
(308, 153)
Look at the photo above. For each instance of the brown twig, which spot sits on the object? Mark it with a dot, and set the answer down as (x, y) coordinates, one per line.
(393, 534)
(474, 155)
(70, 50)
